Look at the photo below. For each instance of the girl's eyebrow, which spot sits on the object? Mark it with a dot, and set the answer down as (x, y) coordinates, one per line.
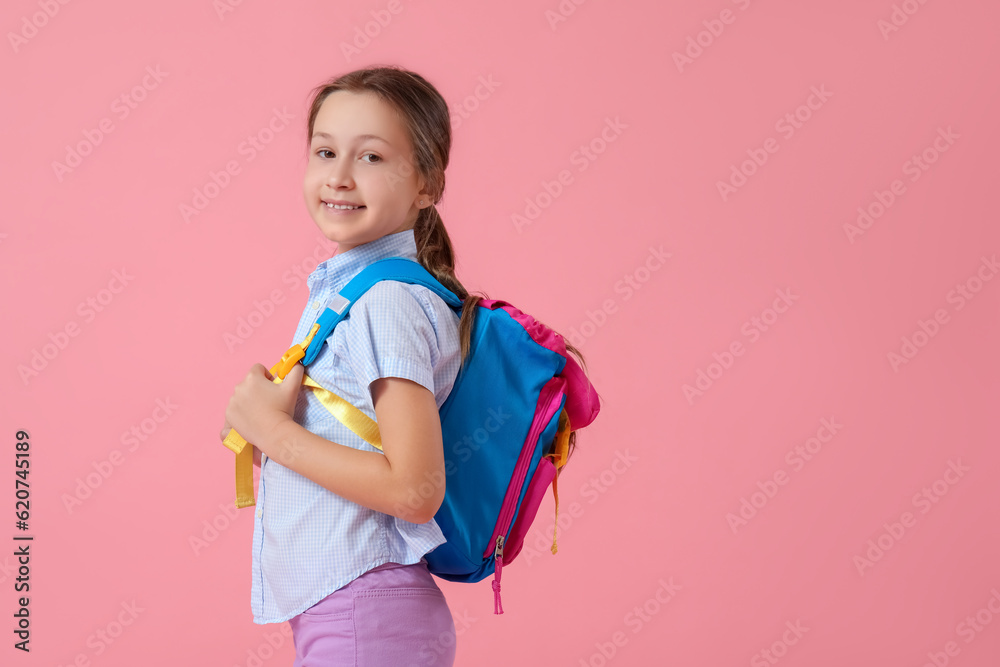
(363, 137)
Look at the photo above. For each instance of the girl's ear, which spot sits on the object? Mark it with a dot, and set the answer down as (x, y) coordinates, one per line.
(424, 198)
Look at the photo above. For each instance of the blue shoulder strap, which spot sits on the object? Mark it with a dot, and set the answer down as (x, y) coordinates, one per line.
(392, 268)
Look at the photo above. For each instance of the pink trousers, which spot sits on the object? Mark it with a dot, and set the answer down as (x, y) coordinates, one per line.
(393, 615)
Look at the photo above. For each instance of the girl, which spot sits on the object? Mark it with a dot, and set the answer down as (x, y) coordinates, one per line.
(340, 529)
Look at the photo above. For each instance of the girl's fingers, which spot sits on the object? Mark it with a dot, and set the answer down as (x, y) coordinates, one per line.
(296, 373)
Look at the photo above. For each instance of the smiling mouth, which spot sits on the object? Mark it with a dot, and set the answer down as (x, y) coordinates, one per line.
(342, 207)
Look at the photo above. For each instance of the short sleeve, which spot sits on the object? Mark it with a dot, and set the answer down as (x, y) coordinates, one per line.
(390, 334)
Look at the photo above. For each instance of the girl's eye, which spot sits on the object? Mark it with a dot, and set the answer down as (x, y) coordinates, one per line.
(326, 152)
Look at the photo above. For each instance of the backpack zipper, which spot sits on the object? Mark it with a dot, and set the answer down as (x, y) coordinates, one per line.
(551, 390)
(509, 505)
(498, 554)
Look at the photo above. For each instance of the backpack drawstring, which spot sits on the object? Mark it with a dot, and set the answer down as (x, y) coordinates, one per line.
(555, 527)
(558, 458)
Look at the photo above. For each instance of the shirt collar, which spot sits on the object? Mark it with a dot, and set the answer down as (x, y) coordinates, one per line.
(339, 269)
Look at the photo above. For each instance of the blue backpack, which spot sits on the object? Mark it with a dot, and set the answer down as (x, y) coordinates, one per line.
(505, 425)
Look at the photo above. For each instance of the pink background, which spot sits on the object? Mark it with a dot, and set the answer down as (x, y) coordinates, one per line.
(630, 531)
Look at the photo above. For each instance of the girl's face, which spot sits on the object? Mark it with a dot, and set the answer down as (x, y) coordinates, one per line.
(361, 156)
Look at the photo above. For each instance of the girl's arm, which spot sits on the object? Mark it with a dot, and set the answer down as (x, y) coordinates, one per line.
(407, 480)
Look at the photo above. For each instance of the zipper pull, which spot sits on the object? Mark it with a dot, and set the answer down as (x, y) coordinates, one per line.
(498, 553)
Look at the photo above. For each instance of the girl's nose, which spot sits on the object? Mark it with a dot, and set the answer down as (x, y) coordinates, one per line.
(340, 174)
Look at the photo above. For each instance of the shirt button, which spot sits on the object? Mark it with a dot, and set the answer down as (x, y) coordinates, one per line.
(315, 305)
(260, 513)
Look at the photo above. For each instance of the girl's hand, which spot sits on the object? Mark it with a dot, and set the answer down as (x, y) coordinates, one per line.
(258, 407)
(226, 428)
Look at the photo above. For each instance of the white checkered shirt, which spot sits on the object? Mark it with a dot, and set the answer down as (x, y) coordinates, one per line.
(308, 541)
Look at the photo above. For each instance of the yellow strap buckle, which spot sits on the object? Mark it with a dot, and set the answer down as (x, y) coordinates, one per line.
(292, 356)
(289, 359)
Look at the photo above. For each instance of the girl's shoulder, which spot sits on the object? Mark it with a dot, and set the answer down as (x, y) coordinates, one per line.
(401, 330)
(392, 300)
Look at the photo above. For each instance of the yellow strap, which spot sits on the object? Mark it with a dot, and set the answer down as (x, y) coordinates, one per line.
(235, 441)
(244, 468)
(244, 478)
(364, 426)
